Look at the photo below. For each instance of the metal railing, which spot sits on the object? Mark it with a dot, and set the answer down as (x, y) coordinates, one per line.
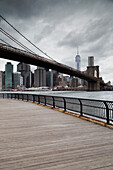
(97, 109)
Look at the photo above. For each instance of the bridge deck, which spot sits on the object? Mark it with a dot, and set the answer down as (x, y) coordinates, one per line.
(35, 137)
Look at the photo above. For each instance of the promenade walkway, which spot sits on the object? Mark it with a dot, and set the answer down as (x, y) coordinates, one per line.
(33, 137)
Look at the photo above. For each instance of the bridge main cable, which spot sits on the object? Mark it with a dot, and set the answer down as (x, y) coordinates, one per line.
(27, 38)
(16, 41)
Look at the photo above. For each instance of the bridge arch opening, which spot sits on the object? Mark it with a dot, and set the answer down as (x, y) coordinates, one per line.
(95, 73)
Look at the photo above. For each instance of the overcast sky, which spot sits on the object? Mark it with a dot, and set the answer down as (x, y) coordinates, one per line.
(59, 26)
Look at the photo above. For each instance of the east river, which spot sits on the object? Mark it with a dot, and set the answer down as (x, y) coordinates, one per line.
(99, 95)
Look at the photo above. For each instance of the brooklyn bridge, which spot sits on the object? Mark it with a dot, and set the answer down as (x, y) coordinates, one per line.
(12, 53)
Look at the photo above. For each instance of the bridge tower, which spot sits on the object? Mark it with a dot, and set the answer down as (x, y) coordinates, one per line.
(93, 71)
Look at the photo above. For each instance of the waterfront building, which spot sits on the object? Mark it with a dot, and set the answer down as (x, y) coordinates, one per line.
(17, 80)
(66, 78)
(8, 75)
(23, 66)
(63, 80)
(25, 73)
(40, 77)
(32, 79)
(91, 61)
(74, 82)
(55, 78)
(49, 79)
(1, 80)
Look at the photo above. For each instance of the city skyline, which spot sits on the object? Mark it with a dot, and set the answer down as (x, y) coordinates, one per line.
(87, 24)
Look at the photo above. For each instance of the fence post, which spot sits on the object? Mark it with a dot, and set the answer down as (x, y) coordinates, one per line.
(45, 100)
(107, 112)
(39, 99)
(33, 98)
(64, 104)
(53, 102)
(3, 95)
(22, 96)
(27, 97)
(8, 95)
(80, 107)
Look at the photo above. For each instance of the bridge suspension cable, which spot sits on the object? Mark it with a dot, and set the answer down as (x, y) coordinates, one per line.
(16, 41)
(26, 38)
(5, 42)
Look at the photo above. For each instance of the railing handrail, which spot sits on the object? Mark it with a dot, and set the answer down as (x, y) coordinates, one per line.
(96, 108)
(61, 97)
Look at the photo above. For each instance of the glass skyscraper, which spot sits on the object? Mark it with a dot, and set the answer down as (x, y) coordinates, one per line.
(77, 64)
(8, 75)
(77, 61)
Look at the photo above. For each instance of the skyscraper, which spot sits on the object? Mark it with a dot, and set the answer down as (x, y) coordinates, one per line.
(25, 73)
(40, 77)
(8, 75)
(91, 61)
(49, 79)
(1, 80)
(78, 63)
(77, 60)
(17, 80)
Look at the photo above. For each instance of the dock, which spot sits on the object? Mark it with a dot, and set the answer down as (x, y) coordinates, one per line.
(33, 137)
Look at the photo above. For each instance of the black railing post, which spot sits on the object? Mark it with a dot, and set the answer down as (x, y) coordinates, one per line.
(81, 113)
(11, 95)
(45, 100)
(27, 97)
(8, 95)
(33, 98)
(53, 101)
(64, 104)
(39, 99)
(107, 113)
(22, 96)
(18, 96)
(3, 95)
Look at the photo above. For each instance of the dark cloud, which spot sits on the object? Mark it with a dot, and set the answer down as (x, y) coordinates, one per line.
(19, 9)
(72, 39)
(27, 8)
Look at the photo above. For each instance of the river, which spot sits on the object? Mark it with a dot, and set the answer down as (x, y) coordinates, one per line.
(99, 95)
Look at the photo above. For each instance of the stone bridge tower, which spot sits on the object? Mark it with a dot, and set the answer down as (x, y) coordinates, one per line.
(93, 71)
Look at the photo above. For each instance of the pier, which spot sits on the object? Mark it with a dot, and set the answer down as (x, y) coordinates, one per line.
(35, 137)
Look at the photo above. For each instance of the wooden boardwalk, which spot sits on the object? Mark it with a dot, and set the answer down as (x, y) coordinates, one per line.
(37, 138)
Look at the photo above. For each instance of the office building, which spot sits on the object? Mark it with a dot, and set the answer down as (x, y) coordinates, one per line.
(17, 80)
(91, 61)
(55, 78)
(49, 79)
(25, 73)
(8, 75)
(1, 80)
(74, 82)
(40, 77)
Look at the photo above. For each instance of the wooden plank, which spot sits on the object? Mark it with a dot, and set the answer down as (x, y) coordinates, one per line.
(35, 137)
